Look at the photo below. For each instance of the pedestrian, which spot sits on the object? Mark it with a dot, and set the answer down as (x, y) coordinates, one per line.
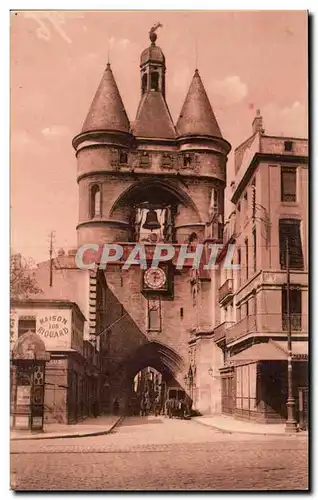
(95, 407)
(116, 407)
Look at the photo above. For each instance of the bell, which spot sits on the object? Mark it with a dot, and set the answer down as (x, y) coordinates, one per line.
(151, 221)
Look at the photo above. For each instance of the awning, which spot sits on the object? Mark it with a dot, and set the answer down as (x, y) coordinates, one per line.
(271, 351)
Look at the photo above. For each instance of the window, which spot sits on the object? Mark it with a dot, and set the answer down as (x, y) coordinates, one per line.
(246, 257)
(288, 184)
(123, 157)
(247, 309)
(154, 81)
(26, 324)
(154, 315)
(187, 160)
(294, 308)
(144, 83)
(238, 207)
(288, 145)
(245, 205)
(289, 230)
(95, 201)
(239, 262)
(254, 249)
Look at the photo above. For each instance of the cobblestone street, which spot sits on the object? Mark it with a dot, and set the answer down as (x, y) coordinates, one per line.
(160, 454)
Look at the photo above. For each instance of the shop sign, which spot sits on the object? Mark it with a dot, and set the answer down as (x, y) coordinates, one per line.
(55, 329)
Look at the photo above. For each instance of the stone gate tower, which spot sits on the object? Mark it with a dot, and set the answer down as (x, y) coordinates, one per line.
(151, 181)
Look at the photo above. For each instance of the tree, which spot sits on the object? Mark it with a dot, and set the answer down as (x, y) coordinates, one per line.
(22, 278)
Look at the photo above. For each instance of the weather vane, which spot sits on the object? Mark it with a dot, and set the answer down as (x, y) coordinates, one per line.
(152, 32)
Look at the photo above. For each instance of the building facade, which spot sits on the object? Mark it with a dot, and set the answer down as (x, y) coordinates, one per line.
(270, 208)
(153, 181)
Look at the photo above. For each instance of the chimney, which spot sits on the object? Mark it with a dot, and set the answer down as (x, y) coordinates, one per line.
(258, 123)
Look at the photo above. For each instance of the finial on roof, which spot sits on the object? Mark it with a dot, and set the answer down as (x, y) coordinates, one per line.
(258, 112)
(152, 32)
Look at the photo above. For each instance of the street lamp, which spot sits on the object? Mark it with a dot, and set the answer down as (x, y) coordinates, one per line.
(291, 424)
(210, 372)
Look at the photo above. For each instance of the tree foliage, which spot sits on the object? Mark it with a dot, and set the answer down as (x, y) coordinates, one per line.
(22, 278)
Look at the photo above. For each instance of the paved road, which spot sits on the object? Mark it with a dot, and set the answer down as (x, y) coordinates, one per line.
(160, 454)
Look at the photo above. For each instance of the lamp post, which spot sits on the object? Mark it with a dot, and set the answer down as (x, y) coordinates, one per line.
(291, 424)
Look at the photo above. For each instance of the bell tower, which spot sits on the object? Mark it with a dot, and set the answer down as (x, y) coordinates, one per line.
(152, 66)
(151, 181)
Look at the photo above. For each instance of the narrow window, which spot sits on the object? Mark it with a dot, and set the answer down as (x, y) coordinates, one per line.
(254, 249)
(144, 83)
(123, 157)
(289, 230)
(294, 308)
(154, 315)
(288, 184)
(186, 160)
(154, 81)
(26, 324)
(95, 201)
(239, 261)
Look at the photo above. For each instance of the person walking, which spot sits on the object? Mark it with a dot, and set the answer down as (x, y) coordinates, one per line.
(116, 407)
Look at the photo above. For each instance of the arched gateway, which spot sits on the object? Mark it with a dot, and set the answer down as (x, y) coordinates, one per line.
(156, 183)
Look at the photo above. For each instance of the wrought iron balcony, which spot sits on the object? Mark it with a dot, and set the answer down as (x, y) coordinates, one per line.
(226, 291)
(241, 328)
(295, 320)
(220, 330)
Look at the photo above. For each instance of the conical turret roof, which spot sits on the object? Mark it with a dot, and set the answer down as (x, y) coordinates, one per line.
(153, 119)
(197, 117)
(107, 111)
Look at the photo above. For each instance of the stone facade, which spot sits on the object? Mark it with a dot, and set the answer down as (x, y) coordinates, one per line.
(178, 168)
(252, 299)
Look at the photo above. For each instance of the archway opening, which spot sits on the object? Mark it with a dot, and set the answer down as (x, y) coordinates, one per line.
(151, 373)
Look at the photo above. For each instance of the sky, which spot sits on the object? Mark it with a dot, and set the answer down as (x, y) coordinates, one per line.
(246, 59)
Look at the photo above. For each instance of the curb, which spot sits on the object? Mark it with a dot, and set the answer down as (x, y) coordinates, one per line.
(68, 436)
(227, 431)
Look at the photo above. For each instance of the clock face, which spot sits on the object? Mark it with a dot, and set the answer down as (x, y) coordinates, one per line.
(155, 278)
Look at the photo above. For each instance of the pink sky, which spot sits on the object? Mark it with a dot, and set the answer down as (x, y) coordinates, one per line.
(57, 60)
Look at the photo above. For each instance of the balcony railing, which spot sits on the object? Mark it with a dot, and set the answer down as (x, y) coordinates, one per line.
(241, 328)
(226, 290)
(295, 320)
(220, 330)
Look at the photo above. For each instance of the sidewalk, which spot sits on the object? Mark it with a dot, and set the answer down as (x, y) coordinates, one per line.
(88, 427)
(229, 424)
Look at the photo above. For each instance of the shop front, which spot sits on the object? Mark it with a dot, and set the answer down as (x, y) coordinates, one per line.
(254, 384)
(70, 384)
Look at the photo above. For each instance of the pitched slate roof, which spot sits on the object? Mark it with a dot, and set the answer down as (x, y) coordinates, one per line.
(107, 111)
(197, 117)
(153, 118)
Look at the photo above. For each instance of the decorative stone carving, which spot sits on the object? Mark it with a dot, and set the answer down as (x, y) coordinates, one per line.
(168, 161)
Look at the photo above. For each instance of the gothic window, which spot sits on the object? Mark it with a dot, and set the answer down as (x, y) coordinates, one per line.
(154, 315)
(154, 81)
(144, 83)
(95, 200)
